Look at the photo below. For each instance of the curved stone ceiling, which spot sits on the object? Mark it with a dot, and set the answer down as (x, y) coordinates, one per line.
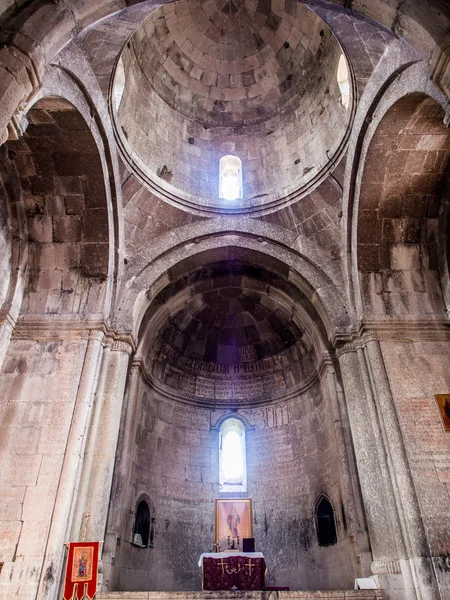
(253, 78)
(228, 333)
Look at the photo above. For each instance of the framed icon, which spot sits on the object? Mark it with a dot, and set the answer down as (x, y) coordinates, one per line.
(443, 402)
(233, 520)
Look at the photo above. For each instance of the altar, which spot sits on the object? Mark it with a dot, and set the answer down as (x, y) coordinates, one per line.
(233, 570)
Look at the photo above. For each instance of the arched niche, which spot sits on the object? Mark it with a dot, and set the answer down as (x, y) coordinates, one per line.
(325, 522)
(398, 250)
(232, 456)
(179, 394)
(64, 196)
(141, 527)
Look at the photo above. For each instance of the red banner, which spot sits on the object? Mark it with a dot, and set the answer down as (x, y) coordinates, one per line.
(81, 570)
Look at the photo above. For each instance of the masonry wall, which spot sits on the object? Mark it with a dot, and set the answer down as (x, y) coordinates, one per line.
(417, 371)
(291, 460)
(38, 387)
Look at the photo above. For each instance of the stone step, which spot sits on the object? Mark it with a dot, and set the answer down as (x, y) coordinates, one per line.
(242, 595)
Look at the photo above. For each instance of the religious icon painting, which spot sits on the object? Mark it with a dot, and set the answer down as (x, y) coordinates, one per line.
(81, 571)
(233, 520)
(443, 402)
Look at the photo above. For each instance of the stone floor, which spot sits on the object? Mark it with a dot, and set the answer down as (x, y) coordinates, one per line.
(306, 595)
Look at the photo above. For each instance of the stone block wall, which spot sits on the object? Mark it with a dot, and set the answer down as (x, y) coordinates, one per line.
(38, 388)
(291, 460)
(204, 106)
(417, 371)
(65, 201)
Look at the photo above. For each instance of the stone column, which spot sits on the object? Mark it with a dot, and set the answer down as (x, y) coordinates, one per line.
(350, 492)
(6, 329)
(132, 404)
(420, 567)
(79, 511)
(71, 470)
(103, 439)
(118, 517)
(374, 479)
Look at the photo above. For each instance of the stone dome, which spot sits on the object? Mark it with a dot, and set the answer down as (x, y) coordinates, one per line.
(229, 332)
(252, 78)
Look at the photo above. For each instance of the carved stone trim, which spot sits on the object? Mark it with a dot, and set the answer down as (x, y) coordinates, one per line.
(7, 319)
(214, 403)
(345, 349)
(392, 331)
(385, 567)
(122, 345)
(441, 67)
(49, 328)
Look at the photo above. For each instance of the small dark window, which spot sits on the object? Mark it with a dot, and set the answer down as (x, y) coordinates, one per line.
(326, 527)
(142, 525)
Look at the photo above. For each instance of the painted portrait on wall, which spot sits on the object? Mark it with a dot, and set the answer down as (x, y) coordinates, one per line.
(443, 402)
(233, 520)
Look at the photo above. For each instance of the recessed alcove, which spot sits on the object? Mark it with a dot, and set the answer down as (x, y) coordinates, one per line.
(229, 346)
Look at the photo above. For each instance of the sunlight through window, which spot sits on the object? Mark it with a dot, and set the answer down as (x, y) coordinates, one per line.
(232, 457)
(343, 81)
(232, 461)
(230, 180)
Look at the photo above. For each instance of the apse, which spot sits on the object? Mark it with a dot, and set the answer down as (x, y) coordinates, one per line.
(230, 348)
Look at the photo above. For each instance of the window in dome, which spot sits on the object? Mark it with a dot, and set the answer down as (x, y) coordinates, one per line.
(230, 180)
(119, 84)
(343, 81)
(232, 461)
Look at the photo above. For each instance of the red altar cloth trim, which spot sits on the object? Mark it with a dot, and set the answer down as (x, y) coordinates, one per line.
(81, 570)
(243, 572)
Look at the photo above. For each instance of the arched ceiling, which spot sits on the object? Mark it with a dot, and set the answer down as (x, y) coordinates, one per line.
(399, 208)
(255, 79)
(229, 332)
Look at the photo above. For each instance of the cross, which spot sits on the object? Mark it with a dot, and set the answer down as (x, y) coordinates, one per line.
(223, 564)
(250, 566)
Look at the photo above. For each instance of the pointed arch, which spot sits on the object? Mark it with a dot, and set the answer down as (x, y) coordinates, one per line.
(325, 521)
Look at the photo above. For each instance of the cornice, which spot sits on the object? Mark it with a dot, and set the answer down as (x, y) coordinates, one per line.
(214, 403)
(51, 328)
(436, 330)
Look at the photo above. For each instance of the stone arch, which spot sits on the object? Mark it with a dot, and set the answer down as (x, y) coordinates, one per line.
(325, 299)
(233, 425)
(404, 90)
(66, 203)
(197, 292)
(14, 247)
(141, 526)
(157, 292)
(397, 239)
(325, 521)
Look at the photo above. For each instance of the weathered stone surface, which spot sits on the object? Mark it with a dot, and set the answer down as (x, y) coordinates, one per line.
(348, 297)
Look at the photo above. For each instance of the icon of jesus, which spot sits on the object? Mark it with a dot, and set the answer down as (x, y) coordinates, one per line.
(233, 521)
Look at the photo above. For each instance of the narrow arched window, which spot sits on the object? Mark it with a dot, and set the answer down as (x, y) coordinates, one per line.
(230, 179)
(343, 81)
(232, 460)
(325, 523)
(119, 84)
(141, 525)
